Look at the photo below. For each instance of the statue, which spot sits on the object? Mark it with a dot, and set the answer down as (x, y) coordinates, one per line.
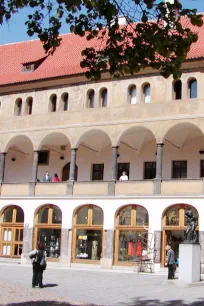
(190, 235)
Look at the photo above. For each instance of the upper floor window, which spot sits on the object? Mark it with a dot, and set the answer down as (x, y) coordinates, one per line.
(192, 88)
(53, 103)
(18, 107)
(177, 90)
(149, 170)
(147, 93)
(64, 101)
(29, 106)
(97, 173)
(179, 169)
(104, 97)
(91, 97)
(132, 94)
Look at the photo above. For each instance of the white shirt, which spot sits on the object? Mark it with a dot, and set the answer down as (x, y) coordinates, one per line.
(123, 178)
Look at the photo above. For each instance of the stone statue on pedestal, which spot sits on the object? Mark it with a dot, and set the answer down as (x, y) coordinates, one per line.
(190, 235)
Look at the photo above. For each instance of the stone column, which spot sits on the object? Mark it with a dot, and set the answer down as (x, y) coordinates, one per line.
(65, 251)
(107, 260)
(27, 243)
(114, 163)
(72, 165)
(2, 166)
(35, 166)
(157, 181)
(201, 241)
(157, 247)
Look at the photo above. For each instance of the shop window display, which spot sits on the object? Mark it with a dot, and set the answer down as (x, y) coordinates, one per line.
(88, 244)
(88, 233)
(48, 230)
(131, 238)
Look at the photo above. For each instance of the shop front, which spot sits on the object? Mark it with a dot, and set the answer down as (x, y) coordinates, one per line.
(131, 235)
(87, 244)
(173, 228)
(12, 224)
(48, 222)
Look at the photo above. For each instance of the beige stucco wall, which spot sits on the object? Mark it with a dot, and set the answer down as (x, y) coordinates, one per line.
(134, 188)
(96, 189)
(51, 189)
(15, 190)
(182, 187)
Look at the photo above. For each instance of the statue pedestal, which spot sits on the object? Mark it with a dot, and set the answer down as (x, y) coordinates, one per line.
(189, 262)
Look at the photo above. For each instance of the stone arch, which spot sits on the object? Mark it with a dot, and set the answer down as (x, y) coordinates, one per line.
(182, 125)
(17, 139)
(54, 138)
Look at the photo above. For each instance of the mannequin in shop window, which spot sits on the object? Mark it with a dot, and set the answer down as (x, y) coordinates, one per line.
(94, 250)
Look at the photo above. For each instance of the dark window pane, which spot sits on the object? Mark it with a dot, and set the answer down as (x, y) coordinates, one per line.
(179, 169)
(56, 215)
(125, 216)
(177, 90)
(141, 216)
(193, 89)
(8, 214)
(43, 215)
(91, 97)
(97, 174)
(123, 167)
(104, 96)
(82, 215)
(172, 216)
(88, 244)
(17, 235)
(150, 170)
(97, 216)
(19, 215)
(202, 168)
(43, 158)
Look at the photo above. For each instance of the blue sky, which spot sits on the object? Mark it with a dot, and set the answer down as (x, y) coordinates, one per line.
(15, 30)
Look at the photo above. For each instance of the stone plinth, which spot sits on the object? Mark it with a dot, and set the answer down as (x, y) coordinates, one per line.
(189, 263)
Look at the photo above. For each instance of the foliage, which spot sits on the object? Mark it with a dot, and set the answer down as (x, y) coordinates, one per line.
(157, 34)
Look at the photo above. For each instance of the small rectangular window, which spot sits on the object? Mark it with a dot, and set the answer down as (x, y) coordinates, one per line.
(202, 168)
(97, 172)
(123, 167)
(43, 158)
(179, 169)
(149, 170)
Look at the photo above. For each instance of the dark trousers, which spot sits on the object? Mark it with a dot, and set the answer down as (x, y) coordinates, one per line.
(171, 271)
(37, 275)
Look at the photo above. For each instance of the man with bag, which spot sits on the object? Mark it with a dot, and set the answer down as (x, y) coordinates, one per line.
(39, 265)
(170, 262)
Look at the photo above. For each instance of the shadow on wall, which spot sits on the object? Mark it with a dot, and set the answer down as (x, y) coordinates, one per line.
(143, 302)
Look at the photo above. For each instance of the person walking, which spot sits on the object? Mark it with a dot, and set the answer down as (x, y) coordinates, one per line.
(39, 265)
(170, 262)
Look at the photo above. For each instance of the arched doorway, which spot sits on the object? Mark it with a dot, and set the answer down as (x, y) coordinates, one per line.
(65, 172)
(131, 236)
(87, 234)
(12, 223)
(48, 223)
(174, 224)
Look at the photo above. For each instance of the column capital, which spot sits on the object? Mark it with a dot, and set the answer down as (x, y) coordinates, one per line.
(160, 144)
(36, 151)
(74, 149)
(3, 153)
(115, 147)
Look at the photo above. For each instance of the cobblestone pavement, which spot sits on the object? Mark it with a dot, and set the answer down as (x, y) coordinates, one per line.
(71, 287)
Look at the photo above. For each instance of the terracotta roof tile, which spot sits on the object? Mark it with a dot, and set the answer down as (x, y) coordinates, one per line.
(65, 61)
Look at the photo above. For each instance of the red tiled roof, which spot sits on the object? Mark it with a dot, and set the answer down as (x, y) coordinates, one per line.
(65, 61)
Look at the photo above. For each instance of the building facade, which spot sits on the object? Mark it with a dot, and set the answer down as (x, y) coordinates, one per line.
(53, 119)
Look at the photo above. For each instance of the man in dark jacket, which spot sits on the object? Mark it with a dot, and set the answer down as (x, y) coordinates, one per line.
(170, 262)
(36, 256)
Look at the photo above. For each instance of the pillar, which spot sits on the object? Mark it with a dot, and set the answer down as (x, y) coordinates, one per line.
(157, 181)
(114, 163)
(107, 260)
(65, 251)
(157, 247)
(72, 165)
(35, 166)
(2, 166)
(201, 241)
(27, 244)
